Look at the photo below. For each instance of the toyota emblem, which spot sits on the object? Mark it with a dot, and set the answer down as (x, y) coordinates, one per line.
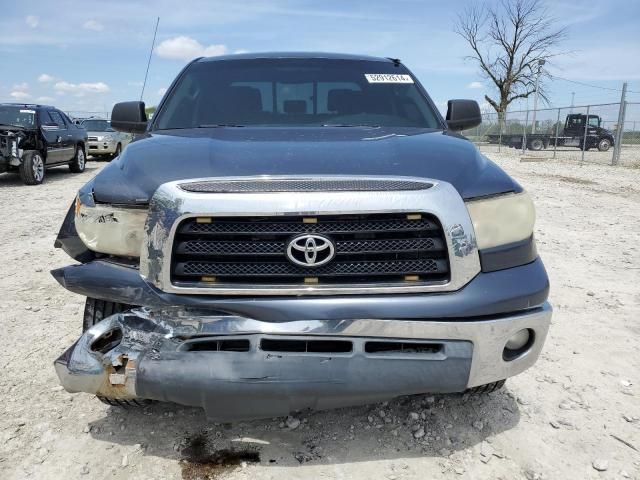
(310, 250)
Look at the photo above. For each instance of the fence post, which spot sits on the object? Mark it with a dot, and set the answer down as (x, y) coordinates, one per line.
(615, 159)
(555, 140)
(584, 138)
(524, 132)
(502, 120)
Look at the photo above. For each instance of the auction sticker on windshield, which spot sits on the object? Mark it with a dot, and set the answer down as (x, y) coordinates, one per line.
(388, 78)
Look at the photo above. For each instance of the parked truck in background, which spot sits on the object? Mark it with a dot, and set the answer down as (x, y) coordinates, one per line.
(298, 231)
(575, 133)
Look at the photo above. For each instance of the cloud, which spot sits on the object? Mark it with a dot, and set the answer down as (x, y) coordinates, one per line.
(44, 78)
(94, 25)
(45, 99)
(81, 88)
(21, 87)
(187, 48)
(475, 85)
(20, 95)
(162, 91)
(32, 21)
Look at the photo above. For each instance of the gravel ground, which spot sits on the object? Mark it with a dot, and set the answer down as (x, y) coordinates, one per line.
(575, 415)
(629, 155)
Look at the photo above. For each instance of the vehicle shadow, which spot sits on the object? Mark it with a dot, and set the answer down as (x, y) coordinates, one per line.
(52, 175)
(415, 426)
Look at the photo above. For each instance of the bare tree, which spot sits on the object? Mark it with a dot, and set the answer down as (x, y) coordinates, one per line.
(508, 41)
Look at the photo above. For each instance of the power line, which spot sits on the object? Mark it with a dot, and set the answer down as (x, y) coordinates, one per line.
(593, 86)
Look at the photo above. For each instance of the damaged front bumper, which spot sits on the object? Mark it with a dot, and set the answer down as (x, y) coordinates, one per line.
(241, 368)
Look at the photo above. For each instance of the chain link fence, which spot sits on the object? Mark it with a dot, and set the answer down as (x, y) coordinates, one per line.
(83, 114)
(574, 134)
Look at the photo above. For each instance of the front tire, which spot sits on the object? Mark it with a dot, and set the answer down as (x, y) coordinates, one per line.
(604, 144)
(118, 151)
(487, 388)
(96, 310)
(79, 162)
(32, 168)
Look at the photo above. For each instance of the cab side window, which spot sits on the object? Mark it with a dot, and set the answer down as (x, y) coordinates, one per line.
(57, 119)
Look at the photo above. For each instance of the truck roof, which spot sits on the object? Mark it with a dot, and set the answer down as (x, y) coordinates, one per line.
(25, 105)
(324, 55)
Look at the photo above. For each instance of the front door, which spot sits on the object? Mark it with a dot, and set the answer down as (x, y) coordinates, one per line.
(66, 149)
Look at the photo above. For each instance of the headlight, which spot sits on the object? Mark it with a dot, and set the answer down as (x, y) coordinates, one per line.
(112, 230)
(500, 220)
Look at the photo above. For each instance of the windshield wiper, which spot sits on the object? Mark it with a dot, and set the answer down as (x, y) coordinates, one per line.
(219, 125)
(11, 125)
(348, 125)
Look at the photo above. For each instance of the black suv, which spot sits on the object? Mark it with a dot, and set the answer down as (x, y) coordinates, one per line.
(36, 137)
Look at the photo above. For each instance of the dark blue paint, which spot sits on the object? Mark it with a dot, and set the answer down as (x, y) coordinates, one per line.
(488, 294)
(218, 152)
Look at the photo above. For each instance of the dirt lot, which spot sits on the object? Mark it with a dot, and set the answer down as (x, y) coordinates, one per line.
(575, 415)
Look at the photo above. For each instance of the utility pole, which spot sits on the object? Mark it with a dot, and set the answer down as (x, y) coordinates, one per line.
(620, 127)
(573, 96)
(535, 96)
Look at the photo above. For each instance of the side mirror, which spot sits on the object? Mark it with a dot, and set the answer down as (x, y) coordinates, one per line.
(463, 114)
(129, 117)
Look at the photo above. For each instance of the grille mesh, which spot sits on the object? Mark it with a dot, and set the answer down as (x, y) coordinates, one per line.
(288, 269)
(369, 249)
(240, 227)
(303, 185)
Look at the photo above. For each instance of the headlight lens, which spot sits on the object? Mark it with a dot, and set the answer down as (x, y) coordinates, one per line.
(503, 219)
(111, 230)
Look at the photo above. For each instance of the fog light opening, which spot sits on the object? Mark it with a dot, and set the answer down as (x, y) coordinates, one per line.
(518, 344)
(107, 341)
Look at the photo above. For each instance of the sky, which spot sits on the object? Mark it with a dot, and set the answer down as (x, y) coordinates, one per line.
(85, 55)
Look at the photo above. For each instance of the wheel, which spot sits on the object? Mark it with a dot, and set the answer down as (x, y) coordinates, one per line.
(32, 168)
(79, 161)
(487, 388)
(96, 310)
(536, 144)
(118, 151)
(604, 144)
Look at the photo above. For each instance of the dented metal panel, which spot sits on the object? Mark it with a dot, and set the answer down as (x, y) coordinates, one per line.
(152, 358)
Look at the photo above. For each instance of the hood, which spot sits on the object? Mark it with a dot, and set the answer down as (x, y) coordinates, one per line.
(158, 158)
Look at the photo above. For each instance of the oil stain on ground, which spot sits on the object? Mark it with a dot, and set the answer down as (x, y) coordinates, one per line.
(199, 463)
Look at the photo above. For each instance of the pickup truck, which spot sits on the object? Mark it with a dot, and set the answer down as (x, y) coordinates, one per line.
(34, 138)
(297, 231)
(576, 133)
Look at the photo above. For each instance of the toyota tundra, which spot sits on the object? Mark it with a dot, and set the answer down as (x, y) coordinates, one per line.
(296, 231)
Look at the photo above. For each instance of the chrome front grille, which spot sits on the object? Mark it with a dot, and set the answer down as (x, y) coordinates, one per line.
(370, 248)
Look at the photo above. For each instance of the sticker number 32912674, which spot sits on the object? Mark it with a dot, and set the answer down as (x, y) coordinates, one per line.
(388, 78)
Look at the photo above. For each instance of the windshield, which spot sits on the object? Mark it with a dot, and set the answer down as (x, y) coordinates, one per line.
(18, 116)
(97, 126)
(296, 92)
